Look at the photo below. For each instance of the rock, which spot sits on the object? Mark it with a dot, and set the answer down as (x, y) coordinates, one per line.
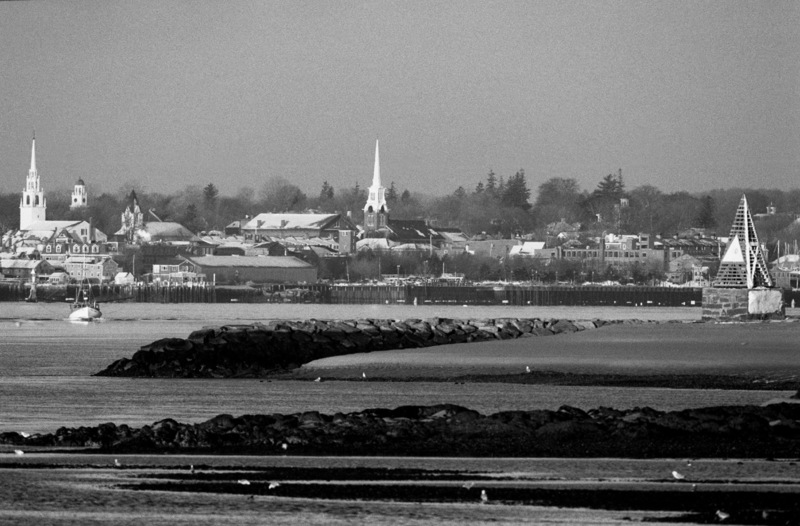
(260, 349)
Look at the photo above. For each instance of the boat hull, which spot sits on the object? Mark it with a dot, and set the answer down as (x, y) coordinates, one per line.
(85, 314)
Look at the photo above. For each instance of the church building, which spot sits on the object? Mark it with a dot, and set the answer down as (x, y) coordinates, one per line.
(32, 206)
(375, 210)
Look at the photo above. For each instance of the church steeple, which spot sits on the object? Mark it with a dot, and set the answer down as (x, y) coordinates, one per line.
(32, 206)
(375, 210)
(32, 171)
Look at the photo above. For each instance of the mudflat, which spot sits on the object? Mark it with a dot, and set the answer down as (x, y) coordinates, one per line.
(759, 352)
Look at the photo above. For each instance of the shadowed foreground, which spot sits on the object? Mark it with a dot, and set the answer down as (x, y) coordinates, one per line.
(448, 430)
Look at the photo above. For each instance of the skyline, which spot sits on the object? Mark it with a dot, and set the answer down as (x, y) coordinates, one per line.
(681, 96)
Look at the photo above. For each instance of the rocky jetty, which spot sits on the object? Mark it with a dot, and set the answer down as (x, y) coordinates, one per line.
(449, 430)
(260, 349)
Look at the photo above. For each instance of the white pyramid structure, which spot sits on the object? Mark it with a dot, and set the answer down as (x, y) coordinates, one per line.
(743, 265)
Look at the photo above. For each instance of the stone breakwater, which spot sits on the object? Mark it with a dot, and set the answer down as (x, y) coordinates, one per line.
(260, 349)
(450, 430)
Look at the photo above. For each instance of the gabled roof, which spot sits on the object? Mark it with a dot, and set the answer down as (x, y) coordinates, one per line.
(21, 263)
(248, 261)
(528, 248)
(412, 231)
(296, 222)
(168, 229)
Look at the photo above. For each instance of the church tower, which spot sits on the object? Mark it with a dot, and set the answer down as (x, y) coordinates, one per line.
(375, 211)
(32, 206)
(79, 196)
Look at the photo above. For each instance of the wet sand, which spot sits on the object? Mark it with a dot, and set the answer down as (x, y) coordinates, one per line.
(90, 489)
(759, 353)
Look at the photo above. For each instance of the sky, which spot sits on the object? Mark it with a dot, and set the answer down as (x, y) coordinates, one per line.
(682, 95)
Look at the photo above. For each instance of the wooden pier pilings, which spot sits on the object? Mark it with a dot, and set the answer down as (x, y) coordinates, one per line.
(368, 294)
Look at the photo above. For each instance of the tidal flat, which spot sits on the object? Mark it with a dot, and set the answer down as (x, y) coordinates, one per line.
(45, 373)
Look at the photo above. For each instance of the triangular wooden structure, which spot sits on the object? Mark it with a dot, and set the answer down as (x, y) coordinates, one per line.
(743, 265)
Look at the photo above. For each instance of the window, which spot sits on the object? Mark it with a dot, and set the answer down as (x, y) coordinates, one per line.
(95, 249)
(76, 248)
(58, 249)
(85, 249)
(48, 248)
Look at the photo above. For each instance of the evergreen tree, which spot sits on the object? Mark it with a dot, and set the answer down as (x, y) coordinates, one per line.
(210, 194)
(479, 188)
(491, 183)
(516, 192)
(326, 193)
(706, 218)
(405, 196)
(391, 194)
(460, 193)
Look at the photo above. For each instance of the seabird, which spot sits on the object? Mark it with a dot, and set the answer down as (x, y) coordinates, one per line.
(284, 446)
(721, 515)
(243, 482)
(468, 485)
(318, 379)
(117, 464)
(19, 452)
(364, 376)
(191, 468)
(273, 485)
(527, 369)
(677, 475)
(484, 496)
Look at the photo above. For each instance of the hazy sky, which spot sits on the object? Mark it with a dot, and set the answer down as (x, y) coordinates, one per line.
(690, 95)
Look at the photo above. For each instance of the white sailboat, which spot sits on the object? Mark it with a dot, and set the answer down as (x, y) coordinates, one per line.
(84, 308)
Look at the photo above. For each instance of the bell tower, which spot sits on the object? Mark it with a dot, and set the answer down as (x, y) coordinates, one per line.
(79, 195)
(32, 206)
(375, 211)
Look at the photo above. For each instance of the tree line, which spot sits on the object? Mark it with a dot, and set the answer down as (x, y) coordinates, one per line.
(497, 206)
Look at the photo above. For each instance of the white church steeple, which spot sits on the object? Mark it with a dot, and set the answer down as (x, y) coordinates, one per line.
(32, 206)
(375, 210)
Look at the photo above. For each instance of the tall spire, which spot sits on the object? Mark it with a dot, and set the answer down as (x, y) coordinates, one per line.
(375, 209)
(376, 174)
(33, 154)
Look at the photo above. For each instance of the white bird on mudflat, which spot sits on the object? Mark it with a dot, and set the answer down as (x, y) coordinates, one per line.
(23, 434)
(19, 452)
(721, 515)
(527, 369)
(468, 485)
(364, 376)
(191, 468)
(117, 464)
(484, 496)
(318, 379)
(243, 482)
(284, 446)
(273, 485)
(677, 475)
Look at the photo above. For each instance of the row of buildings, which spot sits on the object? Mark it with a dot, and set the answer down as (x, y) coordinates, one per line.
(301, 247)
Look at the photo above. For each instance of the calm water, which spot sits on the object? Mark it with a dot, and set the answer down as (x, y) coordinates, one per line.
(45, 382)
(46, 365)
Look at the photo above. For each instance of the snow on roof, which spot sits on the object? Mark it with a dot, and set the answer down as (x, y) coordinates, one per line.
(526, 248)
(375, 243)
(290, 221)
(249, 261)
(20, 263)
